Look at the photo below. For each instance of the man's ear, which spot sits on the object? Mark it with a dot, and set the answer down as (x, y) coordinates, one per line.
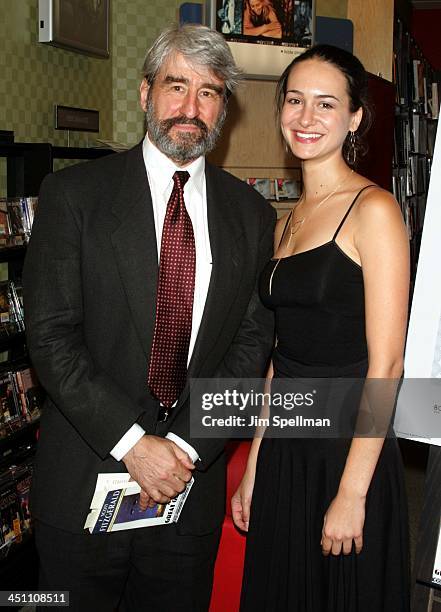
(143, 94)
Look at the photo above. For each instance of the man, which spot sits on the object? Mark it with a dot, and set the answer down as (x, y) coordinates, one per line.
(112, 335)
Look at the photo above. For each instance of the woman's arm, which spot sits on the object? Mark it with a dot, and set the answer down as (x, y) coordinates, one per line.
(381, 241)
(272, 29)
(241, 500)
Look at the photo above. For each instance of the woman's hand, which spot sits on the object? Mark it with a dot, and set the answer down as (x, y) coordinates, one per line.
(241, 500)
(343, 524)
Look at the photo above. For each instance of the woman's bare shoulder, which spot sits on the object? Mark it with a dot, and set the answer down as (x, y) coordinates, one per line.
(377, 202)
(378, 216)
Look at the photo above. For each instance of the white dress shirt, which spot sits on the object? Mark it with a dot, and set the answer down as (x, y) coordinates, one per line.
(160, 170)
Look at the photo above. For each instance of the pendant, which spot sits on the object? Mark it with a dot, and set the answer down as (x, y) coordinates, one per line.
(296, 226)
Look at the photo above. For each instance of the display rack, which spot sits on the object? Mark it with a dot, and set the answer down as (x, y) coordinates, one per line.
(27, 165)
(416, 118)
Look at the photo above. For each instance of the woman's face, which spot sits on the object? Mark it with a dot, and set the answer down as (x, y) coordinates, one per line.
(256, 6)
(316, 117)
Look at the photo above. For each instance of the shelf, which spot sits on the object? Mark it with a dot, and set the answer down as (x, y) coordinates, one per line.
(12, 253)
(16, 437)
(79, 152)
(430, 584)
(19, 568)
(19, 149)
(27, 165)
(9, 342)
(9, 549)
(29, 162)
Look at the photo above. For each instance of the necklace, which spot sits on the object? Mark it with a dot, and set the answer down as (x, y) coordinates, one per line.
(294, 226)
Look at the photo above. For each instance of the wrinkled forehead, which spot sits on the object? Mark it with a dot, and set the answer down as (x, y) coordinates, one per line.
(178, 65)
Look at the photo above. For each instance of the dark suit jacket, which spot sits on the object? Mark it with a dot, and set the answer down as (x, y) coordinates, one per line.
(90, 297)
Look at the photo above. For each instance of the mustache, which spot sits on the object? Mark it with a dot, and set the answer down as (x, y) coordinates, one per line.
(167, 124)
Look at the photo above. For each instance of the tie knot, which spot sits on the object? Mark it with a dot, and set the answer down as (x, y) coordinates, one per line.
(180, 177)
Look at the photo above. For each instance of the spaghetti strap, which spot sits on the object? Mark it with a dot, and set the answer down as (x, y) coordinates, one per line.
(284, 229)
(349, 210)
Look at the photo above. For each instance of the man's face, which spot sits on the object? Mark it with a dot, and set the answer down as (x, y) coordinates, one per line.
(184, 108)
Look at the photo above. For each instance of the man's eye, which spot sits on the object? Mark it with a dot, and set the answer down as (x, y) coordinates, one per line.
(207, 93)
(326, 105)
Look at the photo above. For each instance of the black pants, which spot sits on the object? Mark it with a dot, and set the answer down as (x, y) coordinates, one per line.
(151, 569)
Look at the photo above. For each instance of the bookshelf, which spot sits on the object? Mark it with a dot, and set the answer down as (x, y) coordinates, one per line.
(18, 556)
(416, 119)
(26, 166)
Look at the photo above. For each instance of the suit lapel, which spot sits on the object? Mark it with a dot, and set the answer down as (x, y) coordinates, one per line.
(134, 243)
(224, 231)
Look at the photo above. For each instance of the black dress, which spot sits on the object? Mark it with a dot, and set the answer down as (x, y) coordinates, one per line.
(318, 299)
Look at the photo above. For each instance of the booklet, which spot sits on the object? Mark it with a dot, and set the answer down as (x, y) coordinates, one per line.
(115, 506)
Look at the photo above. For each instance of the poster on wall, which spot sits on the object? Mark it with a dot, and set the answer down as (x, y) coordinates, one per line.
(77, 25)
(264, 35)
(418, 414)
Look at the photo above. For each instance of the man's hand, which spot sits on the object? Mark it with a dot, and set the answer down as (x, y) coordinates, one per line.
(160, 468)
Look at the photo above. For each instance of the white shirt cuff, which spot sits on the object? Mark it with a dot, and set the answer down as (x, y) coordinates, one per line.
(183, 445)
(128, 441)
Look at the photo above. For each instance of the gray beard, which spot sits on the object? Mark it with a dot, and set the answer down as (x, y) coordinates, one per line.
(187, 146)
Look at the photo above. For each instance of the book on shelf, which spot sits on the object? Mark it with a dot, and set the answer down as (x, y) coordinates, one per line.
(9, 512)
(431, 136)
(417, 80)
(10, 413)
(287, 189)
(115, 506)
(21, 399)
(11, 308)
(264, 186)
(16, 219)
(434, 101)
(15, 518)
(29, 393)
(22, 475)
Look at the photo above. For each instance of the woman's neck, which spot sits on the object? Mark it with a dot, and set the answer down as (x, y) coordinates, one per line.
(321, 177)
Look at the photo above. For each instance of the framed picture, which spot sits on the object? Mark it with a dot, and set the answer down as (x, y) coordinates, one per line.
(77, 25)
(264, 35)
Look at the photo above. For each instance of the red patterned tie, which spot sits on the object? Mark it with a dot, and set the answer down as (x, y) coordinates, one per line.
(174, 303)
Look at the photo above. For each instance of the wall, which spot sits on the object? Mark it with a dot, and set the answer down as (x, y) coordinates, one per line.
(373, 34)
(34, 77)
(332, 8)
(135, 25)
(425, 28)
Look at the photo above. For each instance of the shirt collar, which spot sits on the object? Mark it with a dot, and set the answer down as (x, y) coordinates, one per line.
(164, 168)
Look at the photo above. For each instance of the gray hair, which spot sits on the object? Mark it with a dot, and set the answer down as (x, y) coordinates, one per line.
(198, 44)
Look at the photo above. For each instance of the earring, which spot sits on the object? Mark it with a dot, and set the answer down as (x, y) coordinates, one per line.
(352, 152)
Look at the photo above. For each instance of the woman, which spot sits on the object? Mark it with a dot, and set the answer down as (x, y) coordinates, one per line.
(260, 19)
(302, 24)
(328, 524)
